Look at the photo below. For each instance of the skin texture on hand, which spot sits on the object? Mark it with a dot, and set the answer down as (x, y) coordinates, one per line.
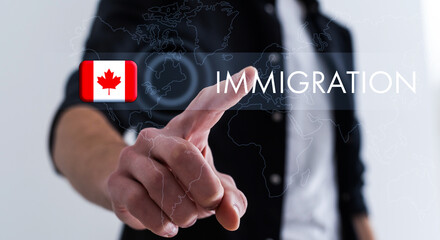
(167, 179)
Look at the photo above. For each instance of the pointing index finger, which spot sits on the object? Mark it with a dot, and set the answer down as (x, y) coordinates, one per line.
(208, 106)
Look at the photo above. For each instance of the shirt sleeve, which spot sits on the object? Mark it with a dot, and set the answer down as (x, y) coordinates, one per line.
(102, 39)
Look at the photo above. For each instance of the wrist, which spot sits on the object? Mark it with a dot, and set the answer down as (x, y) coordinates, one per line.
(111, 151)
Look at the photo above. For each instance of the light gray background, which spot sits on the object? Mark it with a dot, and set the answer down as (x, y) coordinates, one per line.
(40, 45)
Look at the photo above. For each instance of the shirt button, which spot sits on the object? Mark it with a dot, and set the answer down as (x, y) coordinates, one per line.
(274, 58)
(277, 117)
(269, 8)
(275, 179)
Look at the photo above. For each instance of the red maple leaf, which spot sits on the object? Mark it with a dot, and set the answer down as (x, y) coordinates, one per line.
(108, 81)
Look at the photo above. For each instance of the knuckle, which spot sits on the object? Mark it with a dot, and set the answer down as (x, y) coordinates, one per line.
(112, 179)
(203, 91)
(144, 134)
(133, 199)
(185, 215)
(213, 200)
(160, 228)
(228, 179)
(113, 182)
(179, 152)
(187, 221)
(156, 178)
(127, 154)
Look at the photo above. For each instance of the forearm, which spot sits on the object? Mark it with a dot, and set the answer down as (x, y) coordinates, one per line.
(86, 151)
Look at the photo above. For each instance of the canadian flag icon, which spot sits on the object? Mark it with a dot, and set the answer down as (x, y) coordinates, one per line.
(108, 81)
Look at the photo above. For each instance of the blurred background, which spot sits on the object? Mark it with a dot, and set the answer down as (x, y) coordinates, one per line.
(41, 44)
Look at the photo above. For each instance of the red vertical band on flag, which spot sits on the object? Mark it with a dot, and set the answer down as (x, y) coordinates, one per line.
(86, 81)
(130, 81)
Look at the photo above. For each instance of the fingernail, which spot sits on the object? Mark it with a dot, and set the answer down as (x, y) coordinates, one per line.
(170, 230)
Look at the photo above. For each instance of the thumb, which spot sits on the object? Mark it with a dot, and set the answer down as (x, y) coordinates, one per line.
(231, 208)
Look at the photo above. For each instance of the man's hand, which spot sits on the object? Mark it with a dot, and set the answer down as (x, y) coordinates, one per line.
(167, 179)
